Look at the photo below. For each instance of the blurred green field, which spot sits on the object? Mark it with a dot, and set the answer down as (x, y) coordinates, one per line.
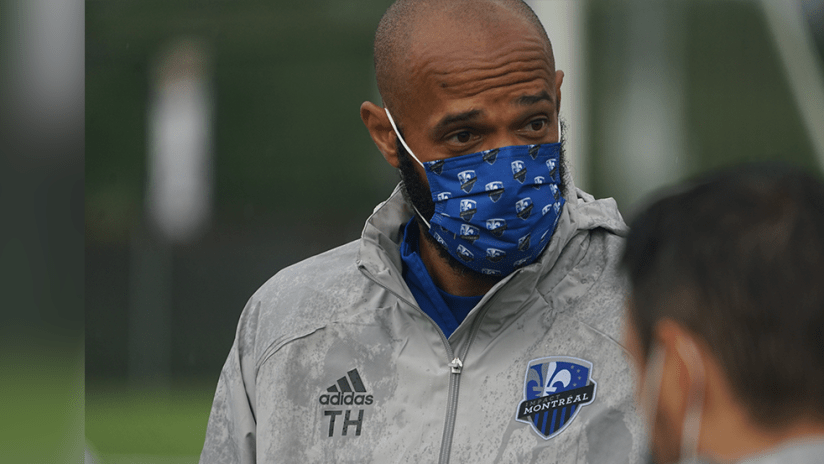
(126, 424)
(41, 404)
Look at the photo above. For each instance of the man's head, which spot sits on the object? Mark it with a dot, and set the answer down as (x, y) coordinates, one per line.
(445, 30)
(459, 77)
(727, 285)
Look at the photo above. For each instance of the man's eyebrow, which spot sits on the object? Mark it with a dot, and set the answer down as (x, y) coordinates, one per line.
(527, 100)
(451, 119)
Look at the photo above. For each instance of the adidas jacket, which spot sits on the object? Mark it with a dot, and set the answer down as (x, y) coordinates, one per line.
(334, 362)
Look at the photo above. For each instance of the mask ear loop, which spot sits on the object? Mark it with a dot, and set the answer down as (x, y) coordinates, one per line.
(403, 142)
(692, 418)
(651, 388)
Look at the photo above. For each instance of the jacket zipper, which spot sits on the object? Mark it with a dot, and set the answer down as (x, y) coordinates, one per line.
(455, 366)
(451, 409)
(454, 385)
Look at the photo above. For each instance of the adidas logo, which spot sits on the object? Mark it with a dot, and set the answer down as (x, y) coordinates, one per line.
(348, 390)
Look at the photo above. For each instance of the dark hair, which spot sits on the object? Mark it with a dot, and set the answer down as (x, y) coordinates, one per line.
(738, 259)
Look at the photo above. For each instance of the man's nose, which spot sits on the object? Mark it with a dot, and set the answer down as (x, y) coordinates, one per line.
(503, 139)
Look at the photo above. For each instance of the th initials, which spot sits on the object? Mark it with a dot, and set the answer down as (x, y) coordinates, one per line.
(346, 421)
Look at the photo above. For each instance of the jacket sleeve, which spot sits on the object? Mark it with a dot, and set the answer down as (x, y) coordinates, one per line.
(231, 432)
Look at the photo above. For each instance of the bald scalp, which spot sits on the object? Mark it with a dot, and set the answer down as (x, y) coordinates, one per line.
(393, 39)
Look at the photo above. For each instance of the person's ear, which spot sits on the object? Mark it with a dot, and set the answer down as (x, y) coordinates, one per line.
(377, 123)
(559, 79)
(683, 372)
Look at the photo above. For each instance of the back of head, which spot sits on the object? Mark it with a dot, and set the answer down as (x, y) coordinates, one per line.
(739, 261)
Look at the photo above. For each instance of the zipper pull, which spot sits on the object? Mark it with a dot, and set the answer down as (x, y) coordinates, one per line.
(456, 366)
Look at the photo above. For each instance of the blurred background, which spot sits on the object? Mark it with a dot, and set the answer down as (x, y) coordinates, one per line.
(223, 143)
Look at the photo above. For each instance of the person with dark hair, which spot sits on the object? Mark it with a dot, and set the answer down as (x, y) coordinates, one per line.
(476, 319)
(726, 318)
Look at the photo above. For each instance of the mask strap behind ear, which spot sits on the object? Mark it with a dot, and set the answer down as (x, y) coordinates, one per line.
(652, 386)
(695, 401)
(398, 133)
(403, 142)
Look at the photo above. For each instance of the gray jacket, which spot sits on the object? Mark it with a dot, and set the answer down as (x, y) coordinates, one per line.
(333, 361)
(799, 451)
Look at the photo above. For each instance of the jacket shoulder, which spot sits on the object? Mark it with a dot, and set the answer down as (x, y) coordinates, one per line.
(301, 299)
(589, 287)
(602, 308)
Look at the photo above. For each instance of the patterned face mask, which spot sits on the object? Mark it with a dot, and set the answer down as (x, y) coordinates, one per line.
(495, 210)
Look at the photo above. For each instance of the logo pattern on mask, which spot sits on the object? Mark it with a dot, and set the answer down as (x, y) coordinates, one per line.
(467, 179)
(518, 171)
(523, 208)
(503, 226)
(550, 164)
(494, 190)
(437, 166)
(468, 209)
(465, 254)
(496, 225)
(555, 390)
(470, 233)
(494, 255)
(490, 156)
(517, 181)
(523, 242)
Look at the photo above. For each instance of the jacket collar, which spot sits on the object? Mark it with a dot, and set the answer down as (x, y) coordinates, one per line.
(379, 253)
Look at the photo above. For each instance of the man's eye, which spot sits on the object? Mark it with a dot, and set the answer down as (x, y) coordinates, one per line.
(537, 125)
(462, 137)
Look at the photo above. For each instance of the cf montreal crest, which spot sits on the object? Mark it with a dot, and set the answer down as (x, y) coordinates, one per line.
(436, 166)
(491, 155)
(496, 225)
(469, 233)
(494, 190)
(465, 254)
(523, 208)
(550, 164)
(518, 170)
(555, 192)
(467, 179)
(555, 390)
(468, 209)
(495, 255)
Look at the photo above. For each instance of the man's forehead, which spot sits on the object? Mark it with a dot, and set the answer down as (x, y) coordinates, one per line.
(454, 55)
(517, 73)
(447, 38)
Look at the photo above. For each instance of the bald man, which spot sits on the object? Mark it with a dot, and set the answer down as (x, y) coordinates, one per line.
(476, 319)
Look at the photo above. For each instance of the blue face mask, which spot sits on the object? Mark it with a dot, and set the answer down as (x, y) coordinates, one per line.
(495, 210)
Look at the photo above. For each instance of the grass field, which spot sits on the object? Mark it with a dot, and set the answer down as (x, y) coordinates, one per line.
(131, 425)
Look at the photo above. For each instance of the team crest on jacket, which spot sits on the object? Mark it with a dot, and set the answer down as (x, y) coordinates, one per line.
(555, 390)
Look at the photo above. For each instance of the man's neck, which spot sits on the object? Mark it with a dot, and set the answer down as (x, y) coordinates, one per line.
(446, 277)
(733, 436)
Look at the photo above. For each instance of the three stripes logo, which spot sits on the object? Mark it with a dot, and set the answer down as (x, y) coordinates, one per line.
(349, 390)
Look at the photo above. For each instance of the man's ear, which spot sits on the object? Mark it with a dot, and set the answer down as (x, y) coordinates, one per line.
(559, 79)
(377, 123)
(684, 372)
